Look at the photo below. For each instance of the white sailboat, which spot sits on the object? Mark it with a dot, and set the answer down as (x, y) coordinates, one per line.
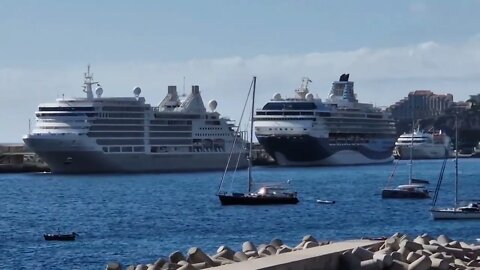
(276, 193)
(469, 211)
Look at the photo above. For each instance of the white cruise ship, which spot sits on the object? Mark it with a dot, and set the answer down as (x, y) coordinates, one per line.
(424, 145)
(99, 134)
(307, 131)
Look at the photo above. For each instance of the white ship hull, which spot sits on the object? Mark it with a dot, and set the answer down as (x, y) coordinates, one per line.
(73, 154)
(424, 151)
(454, 214)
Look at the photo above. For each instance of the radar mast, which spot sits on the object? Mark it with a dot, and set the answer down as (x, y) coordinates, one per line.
(88, 82)
(303, 90)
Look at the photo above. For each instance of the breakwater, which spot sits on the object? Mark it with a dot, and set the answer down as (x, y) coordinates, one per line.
(398, 252)
(308, 254)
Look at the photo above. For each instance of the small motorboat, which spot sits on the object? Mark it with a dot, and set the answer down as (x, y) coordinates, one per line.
(60, 237)
(325, 201)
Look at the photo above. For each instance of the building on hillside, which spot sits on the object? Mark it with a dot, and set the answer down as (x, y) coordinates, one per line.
(475, 98)
(421, 104)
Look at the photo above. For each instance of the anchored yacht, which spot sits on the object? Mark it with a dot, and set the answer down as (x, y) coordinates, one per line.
(124, 134)
(424, 145)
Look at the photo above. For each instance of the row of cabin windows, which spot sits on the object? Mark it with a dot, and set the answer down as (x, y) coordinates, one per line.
(213, 134)
(138, 134)
(126, 149)
(46, 120)
(118, 121)
(283, 129)
(171, 128)
(211, 128)
(123, 109)
(123, 115)
(65, 109)
(116, 128)
(65, 114)
(284, 113)
(171, 122)
(283, 119)
(183, 116)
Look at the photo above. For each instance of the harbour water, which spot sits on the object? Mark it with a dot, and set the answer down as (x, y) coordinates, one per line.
(137, 218)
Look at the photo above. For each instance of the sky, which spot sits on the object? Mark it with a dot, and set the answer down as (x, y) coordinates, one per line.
(389, 48)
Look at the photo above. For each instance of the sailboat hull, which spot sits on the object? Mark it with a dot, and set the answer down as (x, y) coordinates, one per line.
(454, 214)
(403, 194)
(242, 199)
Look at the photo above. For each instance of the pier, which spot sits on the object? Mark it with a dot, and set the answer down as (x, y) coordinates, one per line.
(18, 158)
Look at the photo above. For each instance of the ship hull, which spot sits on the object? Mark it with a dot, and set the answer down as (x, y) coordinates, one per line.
(454, 214)
(305, 150)
(402, 194)
(422, 152)
(255, 200)
(78, 160)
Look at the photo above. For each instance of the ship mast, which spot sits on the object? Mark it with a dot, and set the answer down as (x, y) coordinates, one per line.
(88, 82)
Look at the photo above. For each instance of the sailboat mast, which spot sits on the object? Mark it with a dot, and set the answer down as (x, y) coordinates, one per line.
(456, 159)
(411, 151)
(251, 137)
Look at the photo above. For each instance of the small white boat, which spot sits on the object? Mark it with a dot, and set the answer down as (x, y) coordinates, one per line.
(325, 201)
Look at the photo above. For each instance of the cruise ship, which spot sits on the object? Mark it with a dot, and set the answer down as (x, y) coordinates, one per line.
(306, 131)
(96, 134)
(424, 145)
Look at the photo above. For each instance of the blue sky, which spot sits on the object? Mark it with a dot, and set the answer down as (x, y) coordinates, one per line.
(388, 47)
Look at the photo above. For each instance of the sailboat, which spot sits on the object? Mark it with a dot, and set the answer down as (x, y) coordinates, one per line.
(266, 194)
(415, 189)
(469, 211)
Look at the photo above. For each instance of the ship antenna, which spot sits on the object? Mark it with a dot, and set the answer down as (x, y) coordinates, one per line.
(303, 90)
(183, 94)
(88, 82)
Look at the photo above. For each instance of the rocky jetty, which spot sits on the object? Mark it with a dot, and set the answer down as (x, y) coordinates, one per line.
(195, 258)
(401, 252)
(398, 252)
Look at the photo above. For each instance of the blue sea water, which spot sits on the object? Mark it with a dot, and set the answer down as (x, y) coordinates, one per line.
(139, 218)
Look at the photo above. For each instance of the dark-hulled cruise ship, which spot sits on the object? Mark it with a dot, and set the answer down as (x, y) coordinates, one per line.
(306, 131)
(124, 134)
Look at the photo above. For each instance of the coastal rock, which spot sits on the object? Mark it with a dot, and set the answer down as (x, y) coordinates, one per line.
(410, 245)
(439, 264)
(422, 263)
(413, 256)
(239, 256)
(196, 255)
(385, 259)
(283, 249)
(371, 265)
(248, 246)
(277, 243)
(224, 252)
(141, 267)
(398, 265)
(362, 254)
(114, 266)
(176, 256)
(443, 239)
(310, 244)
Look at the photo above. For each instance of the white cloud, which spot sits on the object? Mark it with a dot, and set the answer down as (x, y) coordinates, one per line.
(382, 76)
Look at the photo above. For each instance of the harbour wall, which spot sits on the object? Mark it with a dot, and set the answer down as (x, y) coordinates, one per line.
(398, 252)
(16, 158)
